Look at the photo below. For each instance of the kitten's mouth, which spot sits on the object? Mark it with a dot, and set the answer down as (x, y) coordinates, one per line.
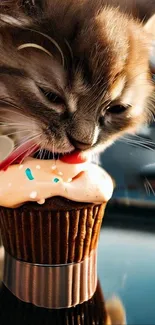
(29, 148)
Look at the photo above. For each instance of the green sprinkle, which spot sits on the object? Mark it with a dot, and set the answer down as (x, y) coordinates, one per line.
(29, 174)
(56, 180)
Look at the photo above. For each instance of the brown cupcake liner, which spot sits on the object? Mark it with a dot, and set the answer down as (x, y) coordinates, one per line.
(60, 233)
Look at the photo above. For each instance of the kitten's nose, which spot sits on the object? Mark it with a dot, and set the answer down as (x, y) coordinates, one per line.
(79, 145)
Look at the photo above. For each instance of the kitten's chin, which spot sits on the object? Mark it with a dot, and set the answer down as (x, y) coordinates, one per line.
(60, 151)
(100, 147)
(45, 154)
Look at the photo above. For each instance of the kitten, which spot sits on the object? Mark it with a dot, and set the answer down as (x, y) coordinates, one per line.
(75, 74)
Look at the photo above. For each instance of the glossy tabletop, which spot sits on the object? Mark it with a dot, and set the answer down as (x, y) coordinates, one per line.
(126, 268)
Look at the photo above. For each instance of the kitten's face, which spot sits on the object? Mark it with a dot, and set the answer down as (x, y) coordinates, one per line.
(81, 92)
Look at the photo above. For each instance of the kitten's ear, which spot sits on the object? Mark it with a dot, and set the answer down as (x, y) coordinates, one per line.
(150, 26)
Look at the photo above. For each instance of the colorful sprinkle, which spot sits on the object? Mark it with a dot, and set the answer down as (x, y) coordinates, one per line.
(60, 173)
(54, 167)
(33, 195)
(38, 167)
(56, 180)
(69, 180)
(21, 166)
(29, 174)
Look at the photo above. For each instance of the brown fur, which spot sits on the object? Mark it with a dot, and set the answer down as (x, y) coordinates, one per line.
(106, 55)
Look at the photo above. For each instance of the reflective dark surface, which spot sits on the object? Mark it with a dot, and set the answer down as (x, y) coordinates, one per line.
(12, 311)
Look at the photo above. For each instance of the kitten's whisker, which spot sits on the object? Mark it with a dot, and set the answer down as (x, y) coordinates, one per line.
(12, 111)
(151, 110)
(52, 41)
(34, 45)
(48, 155)
(4, 101)
(41, 153)
(132, 138)
(9, 118)
(38, 154)
(12, 125)
(16, 132)
(30, 137)
(147, 188)
(44, 153)
(139, 140)
(151, 107)
(70, 50)
(53, 151)
(139, 145)
(150, 186)
(28, 152)
(27, 139)
(19, 146)
(136, 144)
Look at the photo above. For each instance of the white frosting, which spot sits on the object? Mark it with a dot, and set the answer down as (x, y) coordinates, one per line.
(84, 182)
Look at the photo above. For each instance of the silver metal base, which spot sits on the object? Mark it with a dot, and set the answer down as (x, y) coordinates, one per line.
(51, 286)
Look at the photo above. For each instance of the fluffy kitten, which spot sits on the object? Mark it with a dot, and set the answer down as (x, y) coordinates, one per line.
(75, 74)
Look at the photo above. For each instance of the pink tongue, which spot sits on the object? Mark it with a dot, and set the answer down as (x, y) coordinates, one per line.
(19, 154)
(75, 157)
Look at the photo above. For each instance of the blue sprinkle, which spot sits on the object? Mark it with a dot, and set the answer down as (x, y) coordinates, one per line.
(56, 180)
(29, 174)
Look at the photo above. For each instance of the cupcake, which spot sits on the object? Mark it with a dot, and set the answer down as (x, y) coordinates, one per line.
(50, 218)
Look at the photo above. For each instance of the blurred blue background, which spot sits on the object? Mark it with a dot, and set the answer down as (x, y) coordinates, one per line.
(130, 161)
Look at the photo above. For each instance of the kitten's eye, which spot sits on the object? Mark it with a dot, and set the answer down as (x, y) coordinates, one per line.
(117, 109)
(52, 97)
(153, 77)
(114, 109)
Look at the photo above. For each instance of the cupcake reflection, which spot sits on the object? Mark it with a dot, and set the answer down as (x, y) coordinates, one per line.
(96, 311)
(115, 311)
